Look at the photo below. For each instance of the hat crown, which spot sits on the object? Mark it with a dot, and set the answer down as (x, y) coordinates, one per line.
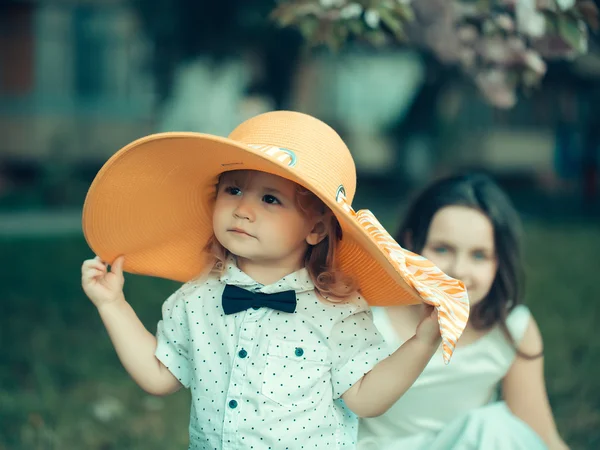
(320, 154)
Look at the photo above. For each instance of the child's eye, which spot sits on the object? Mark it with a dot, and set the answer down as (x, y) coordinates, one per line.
(271, 200)
(440, 250)
(480, 256)
(232, 190)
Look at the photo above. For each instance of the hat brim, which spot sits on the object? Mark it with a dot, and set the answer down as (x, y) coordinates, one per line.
(153, 200)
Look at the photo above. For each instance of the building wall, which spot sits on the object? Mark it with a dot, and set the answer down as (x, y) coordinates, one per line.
(73, 79)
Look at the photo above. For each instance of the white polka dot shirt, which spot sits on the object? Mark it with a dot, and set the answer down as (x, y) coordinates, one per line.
(262, 378)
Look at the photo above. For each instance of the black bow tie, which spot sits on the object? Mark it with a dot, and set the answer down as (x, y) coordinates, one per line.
(236, 299)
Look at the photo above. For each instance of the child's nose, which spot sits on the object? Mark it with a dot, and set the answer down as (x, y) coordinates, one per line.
(459, 269)
(244, 210)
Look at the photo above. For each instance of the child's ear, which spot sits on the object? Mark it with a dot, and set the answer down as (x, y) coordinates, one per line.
(318, 233)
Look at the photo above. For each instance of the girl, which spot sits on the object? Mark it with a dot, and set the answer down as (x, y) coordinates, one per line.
(273, 339)
(468, 227)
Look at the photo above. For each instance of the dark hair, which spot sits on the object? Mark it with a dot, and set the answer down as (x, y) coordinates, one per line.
(480, 192)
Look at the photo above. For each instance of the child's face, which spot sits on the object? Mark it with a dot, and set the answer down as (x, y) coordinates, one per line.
(257, 218)
(460, 242)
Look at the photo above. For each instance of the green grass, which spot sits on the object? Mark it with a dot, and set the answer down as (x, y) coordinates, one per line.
(58, 366)
(62, 386)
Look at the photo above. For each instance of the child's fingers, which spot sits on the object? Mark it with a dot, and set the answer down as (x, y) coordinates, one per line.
(93, 263)
(100, 260)
(427, 310)
(92, 273)
(434, 313)
(117, 266)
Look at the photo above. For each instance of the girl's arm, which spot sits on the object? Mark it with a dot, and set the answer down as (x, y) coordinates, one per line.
(524, 390)
(379, 389)
(135, 346)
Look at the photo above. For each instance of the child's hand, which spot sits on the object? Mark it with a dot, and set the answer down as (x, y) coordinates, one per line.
(428, 330)
(100, 285)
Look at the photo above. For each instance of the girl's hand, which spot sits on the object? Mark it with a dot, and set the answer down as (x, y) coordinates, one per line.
(100, 285)
(428, 330)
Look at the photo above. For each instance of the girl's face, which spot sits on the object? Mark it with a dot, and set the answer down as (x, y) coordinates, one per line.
(257, 218)
(460, 241)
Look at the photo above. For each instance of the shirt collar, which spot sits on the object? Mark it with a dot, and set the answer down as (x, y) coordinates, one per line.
(298, 281)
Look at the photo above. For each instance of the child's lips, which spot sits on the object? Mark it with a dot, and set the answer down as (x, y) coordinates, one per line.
(240, 232)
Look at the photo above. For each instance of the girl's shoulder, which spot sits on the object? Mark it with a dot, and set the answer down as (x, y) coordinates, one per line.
(525, 331)
(517, 322)
(194, 289)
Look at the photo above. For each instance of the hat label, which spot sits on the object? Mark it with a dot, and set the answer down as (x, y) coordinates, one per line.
(282, 155)
(340, 198)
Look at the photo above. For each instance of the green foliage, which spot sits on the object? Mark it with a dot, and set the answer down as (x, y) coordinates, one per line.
(500, 44)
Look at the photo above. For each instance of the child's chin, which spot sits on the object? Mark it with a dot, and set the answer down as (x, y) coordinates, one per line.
(239, 252)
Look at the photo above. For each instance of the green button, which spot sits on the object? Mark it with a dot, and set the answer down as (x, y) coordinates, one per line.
(299, 351)
(232, 404)
(242, 353)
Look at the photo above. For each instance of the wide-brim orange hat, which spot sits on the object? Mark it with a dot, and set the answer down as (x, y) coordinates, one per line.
(153, 202)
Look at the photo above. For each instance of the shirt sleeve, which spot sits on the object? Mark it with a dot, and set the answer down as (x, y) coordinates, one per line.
(356, 347)
(517, 322)
(173, 338)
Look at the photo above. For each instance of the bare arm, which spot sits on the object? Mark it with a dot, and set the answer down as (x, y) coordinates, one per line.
(379, 389)
(134, 345)
(525, 390)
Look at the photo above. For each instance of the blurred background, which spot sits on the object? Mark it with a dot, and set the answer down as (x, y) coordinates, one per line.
(417, 90)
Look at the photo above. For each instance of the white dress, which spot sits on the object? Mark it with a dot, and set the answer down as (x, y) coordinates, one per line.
(453, 406)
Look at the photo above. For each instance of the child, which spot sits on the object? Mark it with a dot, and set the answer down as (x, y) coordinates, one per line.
(270, 334)
(468, 227)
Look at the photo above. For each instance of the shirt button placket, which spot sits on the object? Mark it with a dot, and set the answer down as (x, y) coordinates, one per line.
(234, 401)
